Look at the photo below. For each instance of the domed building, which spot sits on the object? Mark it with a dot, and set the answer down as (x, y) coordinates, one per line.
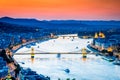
(100, 42)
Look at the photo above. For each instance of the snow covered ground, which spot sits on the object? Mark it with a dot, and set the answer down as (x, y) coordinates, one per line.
(58, 46)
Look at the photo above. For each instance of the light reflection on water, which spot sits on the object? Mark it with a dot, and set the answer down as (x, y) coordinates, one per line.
(91, 68)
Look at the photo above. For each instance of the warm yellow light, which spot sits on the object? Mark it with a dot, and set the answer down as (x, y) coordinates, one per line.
(96, 35)
(110, 49)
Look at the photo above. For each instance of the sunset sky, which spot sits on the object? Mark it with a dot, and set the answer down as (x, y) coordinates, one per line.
(61, 9)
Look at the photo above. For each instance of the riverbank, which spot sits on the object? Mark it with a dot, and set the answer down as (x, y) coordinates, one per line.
(102, 52)
(12, 69)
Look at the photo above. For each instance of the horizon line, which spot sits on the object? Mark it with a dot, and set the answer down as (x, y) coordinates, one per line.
(60, 19)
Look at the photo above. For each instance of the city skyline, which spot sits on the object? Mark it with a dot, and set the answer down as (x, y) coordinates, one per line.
(61, 9)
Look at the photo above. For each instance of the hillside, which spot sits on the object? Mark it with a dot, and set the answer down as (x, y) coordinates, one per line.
(76, 25)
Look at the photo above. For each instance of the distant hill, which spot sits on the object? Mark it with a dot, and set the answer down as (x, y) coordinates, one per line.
(78, 25)
(11, 28)
(25, 22)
